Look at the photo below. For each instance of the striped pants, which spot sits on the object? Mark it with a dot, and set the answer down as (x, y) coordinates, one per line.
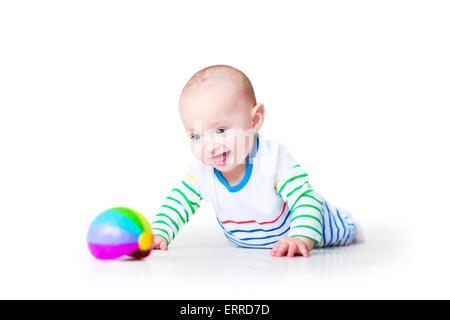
(339, 228)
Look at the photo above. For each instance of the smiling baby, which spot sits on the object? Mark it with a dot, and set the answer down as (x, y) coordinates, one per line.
(261, 194)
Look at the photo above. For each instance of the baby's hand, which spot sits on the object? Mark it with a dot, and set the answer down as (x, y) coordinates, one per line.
(159, 243)
(292, 247)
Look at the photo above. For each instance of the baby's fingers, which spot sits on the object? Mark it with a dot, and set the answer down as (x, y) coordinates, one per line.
(163, 246)
(274, 249)
(303, 250)
(281, 250)
(293, 249)
(159, 243)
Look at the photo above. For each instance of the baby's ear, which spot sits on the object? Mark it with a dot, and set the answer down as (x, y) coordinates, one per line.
(258, 116)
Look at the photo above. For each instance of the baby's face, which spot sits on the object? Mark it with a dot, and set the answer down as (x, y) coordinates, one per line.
(219, 125)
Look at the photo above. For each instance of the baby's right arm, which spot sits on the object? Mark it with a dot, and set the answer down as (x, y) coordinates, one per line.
(177, 209)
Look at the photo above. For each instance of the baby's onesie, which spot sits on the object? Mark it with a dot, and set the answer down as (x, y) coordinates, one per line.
(273, 200)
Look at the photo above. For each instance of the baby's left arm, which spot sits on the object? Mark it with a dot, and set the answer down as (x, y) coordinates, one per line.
(305, 206)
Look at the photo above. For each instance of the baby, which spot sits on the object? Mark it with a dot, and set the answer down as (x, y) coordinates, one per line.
(261, 195)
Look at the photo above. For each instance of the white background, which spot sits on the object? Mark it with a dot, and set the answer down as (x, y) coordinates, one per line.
(88, 121)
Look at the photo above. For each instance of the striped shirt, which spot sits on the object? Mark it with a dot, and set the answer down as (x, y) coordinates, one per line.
(273, 200)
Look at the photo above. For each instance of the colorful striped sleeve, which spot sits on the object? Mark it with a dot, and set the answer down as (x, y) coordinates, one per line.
(177, 208)
(305, 205)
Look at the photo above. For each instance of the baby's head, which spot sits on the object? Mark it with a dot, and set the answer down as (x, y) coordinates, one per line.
(219, 111)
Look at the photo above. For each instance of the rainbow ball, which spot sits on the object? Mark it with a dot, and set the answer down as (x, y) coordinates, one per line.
(120, 232)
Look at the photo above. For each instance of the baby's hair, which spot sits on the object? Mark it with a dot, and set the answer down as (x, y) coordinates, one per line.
(216, 73)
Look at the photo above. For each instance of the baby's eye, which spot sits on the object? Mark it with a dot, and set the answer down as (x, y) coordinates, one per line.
(221, 130)
(195, 137)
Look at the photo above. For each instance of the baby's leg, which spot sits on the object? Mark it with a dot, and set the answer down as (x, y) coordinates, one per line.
(339, 228)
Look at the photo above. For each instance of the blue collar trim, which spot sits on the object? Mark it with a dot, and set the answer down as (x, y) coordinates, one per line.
(248, 171)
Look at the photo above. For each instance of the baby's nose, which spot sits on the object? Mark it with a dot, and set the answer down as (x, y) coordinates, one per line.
(212, 149)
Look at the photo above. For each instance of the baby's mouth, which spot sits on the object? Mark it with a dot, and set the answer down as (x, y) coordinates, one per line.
(221, 158)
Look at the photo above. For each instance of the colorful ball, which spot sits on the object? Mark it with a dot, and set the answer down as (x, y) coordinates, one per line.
(120, 232)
